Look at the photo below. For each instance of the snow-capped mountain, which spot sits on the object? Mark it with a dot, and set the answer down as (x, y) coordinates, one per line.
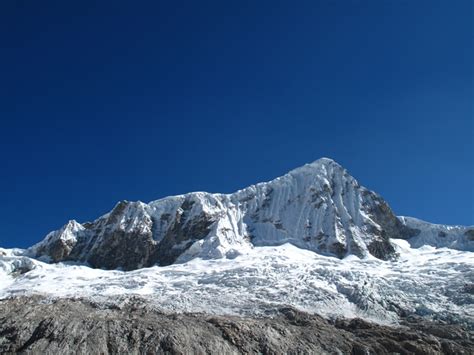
(318, 207)
(314, 239)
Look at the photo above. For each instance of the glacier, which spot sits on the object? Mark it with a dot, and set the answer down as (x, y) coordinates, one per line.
(427, 281)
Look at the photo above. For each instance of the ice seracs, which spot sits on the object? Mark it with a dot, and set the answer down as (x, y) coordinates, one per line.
(427, 282)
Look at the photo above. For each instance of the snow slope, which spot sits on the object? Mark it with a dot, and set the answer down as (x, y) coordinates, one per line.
(427, 281)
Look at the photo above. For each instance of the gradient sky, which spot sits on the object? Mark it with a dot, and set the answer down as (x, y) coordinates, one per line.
(108, 100)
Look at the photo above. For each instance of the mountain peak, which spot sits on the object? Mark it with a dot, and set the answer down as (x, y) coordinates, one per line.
(323, 161)
(319, 167)
(318, 207)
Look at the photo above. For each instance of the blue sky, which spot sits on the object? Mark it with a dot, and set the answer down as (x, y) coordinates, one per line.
(111, 100)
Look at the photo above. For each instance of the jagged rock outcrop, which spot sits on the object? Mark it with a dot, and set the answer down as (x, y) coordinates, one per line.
(319, 207)
(124, 238)
(35, 325)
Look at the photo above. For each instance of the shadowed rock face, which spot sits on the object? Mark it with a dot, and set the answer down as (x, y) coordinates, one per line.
(120, 249)
(124, 238)
(34, 325)
(133, 247)
(391, 227)
(58, 250)
(470, 234)
(179, 238)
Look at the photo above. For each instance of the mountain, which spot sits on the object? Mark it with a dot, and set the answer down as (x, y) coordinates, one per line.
(251, 271)
(319, 207)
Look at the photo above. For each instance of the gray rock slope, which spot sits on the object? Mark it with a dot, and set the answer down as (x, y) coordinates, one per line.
(319, 207)
(37, 326)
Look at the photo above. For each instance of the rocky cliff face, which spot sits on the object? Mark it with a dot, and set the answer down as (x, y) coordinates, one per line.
(319, 207)
(34, 325)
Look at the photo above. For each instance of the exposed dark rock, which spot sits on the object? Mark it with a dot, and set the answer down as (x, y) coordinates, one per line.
(470, 234)
(337, 249)
(412, 337)
(34, 325)
(120, 249)
(381, 249)
(58, 245)
(385, 217)
(391, 227)
(116, 242)
(58, 250)
(127, 242)
(179, 238)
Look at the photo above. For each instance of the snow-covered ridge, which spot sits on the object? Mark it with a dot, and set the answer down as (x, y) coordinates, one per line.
(318, 207)
(440, 235)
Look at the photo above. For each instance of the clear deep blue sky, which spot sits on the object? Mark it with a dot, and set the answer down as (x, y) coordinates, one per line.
(108, 100)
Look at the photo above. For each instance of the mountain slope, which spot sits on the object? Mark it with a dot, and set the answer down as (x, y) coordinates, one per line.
(318, 207)
(34, 325)
(313, 239)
